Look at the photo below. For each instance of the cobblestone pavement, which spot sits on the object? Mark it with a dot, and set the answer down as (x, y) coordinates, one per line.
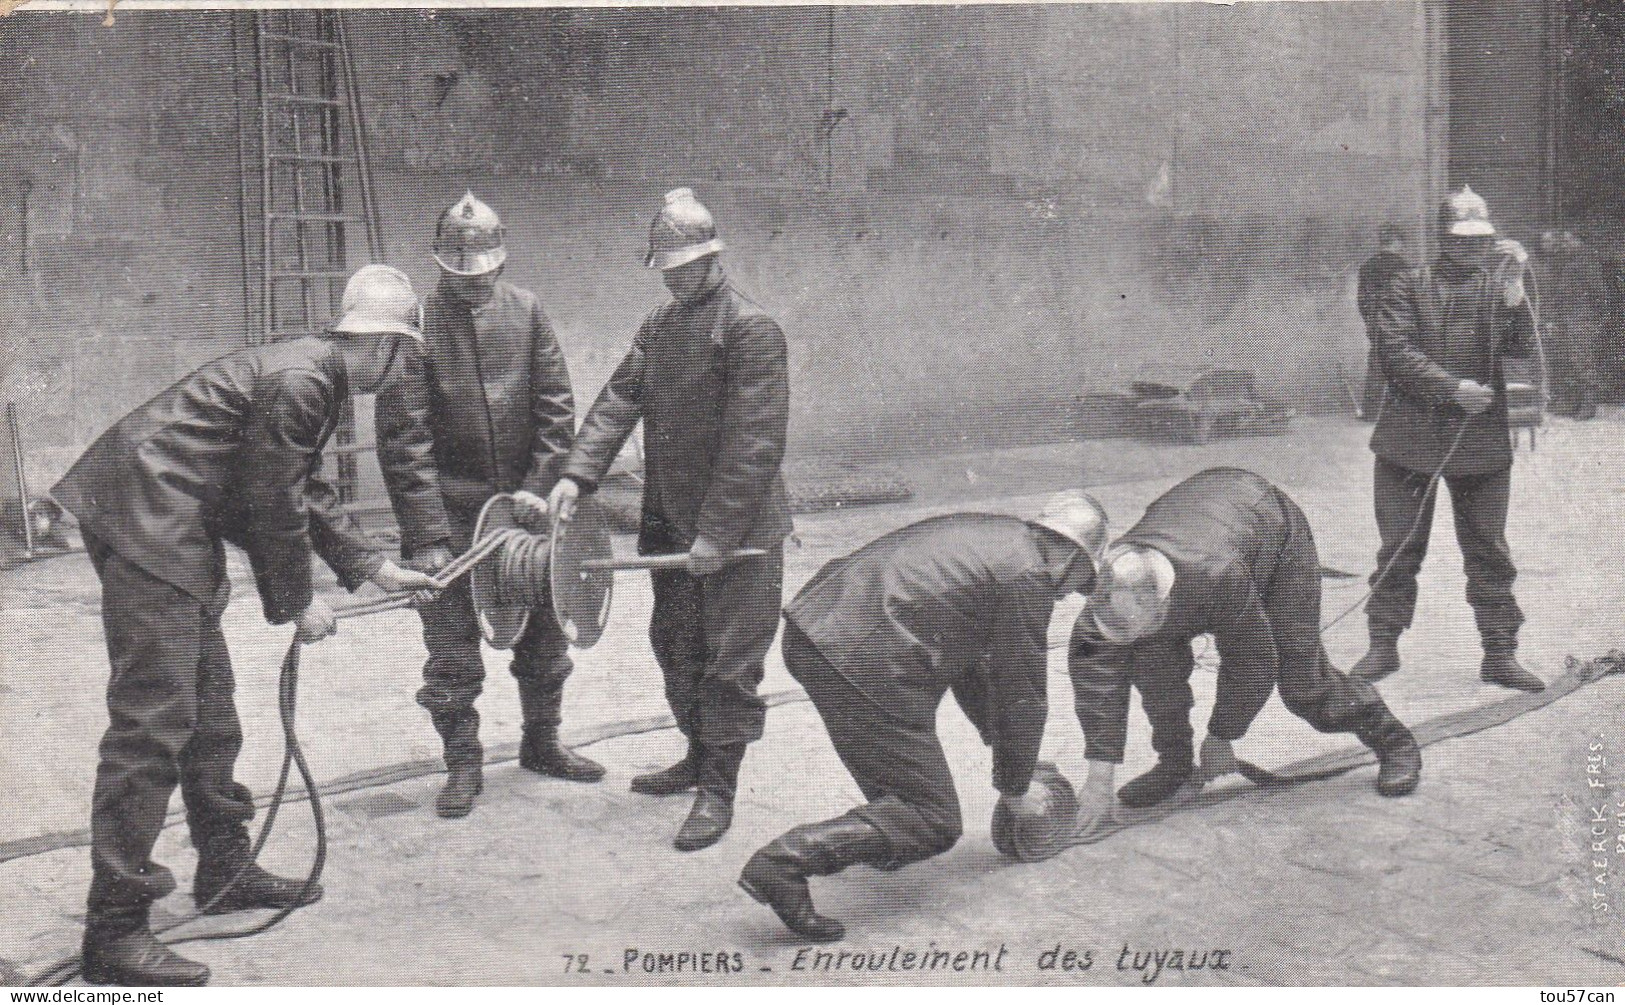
(1488, 874)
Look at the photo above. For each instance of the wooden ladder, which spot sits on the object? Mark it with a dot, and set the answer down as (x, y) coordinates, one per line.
(314, 200)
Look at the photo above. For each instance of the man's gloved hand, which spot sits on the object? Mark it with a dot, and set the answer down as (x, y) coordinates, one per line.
(391, 578)
(705, 557)
(562, 500)
(1473, 397)
(1097, 801)
(431, 560)
(530, 510)
(316, 622)
(1035, 802)
(1218, 759)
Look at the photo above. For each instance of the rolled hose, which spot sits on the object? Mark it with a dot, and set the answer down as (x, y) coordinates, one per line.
(1033, 839)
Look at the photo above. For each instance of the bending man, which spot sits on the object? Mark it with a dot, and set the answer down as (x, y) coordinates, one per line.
(231, 453)
(1223, 553)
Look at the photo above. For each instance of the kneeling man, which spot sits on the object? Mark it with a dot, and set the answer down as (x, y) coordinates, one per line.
(959, 602)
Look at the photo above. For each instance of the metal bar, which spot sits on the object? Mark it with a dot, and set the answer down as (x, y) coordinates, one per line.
(242, 171)
(642, 562)
(318, 158)
(318, 217)
(286, 275)
(351, 449)
(337, 236)
(299, 40)
(267, 306)
(298, 187)
(301, 99)
(358, 128)
(22, 479)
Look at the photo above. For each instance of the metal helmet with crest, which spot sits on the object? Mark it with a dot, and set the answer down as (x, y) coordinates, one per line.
(468, 238)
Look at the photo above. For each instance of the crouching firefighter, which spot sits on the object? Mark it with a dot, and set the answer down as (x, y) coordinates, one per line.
(961, 603)
(494, 399)
(230, 453)
(1227, 553)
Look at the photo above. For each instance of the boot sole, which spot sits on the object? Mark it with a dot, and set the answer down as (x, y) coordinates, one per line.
(692, 845)
(99, 976)
(763, 899)
(233, 909)
(1512, 685)
(597, 776)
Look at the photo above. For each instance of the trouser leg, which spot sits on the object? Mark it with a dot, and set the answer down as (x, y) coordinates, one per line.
(900, 767)
(676, 634)
(1162, 675)
(454, 674)
(1480, 506)
(740, 612)
(154, 644)
(1404, 508)
(218, 807)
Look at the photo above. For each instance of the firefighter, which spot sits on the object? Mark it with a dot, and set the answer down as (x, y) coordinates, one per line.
(230, 453)
(707, 376)
(1223, 553)
(1441, 334)
(961, 603)
(496, 399)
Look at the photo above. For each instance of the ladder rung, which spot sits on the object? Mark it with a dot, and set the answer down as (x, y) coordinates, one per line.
(350, 449)
(319, 217)
(297, 40)
(302, 99)
(317, 158)
(286, 274)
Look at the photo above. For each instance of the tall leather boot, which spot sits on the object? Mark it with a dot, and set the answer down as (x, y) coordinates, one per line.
(228, 880)
(1501, 667)
(777, 874)
(1399, 759)
(119, 948)
(539, 747)
(465, 762)
(713, 809)
(679, 777)
(1381, 660)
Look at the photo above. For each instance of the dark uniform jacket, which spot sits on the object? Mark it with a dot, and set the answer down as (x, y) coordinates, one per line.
(962, 602)
(1437, 326)
(1227, 533)
(232, 452)
(710, 382)
(496, 403)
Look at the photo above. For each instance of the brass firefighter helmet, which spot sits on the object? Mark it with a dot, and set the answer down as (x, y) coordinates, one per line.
(682, 231)
(468, 238)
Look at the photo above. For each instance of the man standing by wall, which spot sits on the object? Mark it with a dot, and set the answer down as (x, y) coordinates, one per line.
(1376, 274)
(229, 453)
(1578, 308)
(707, 375)
(1441, 334)
(499, 407)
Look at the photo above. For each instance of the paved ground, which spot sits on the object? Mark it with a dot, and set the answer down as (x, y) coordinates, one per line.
(1485, 875)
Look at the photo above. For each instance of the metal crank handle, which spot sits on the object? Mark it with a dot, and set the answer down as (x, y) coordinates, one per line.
(645, 562)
